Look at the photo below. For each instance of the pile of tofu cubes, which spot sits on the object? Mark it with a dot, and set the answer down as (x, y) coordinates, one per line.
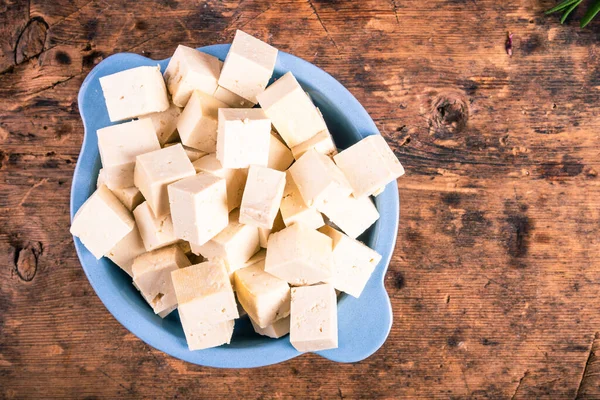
(208, 165)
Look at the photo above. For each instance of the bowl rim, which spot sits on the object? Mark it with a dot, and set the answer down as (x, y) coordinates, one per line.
(388, 204)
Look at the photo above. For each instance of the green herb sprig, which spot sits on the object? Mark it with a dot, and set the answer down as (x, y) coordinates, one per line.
(568, 6)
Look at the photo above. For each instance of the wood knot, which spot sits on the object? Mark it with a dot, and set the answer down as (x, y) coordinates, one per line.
(26, 259)
(31, 40)
(448, 113)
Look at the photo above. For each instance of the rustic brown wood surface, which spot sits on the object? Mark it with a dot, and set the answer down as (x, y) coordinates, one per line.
(494, 281)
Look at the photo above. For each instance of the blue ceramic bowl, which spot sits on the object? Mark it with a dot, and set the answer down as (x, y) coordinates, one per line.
(364, 323)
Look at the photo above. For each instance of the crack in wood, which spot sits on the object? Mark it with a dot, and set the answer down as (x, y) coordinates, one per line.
(129, 390)
(578, 394)
(395, 8)
(312, 6)
(55, 84)
(519, 385)
(255, 17)
(31, 189)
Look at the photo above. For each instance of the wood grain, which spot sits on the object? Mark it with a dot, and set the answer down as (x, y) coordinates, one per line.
(495, 277)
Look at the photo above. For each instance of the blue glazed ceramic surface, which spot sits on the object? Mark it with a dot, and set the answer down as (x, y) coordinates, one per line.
(364, 323)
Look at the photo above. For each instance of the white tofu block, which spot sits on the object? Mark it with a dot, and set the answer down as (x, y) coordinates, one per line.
(131, 197)
(156, 232)
(156, 170)
(128, 248)
(134, 92)
(119, 176)
(235, 179)
(264, 233)
(231, 99)
(280, 157)
(193, 154)
(152, 276)
(322, 142)
(189, 70)
(199, 207)
(351, 215)
(197, 125)
(313, 324)
(101, 222)
(276, 330)
(204, 293)
(243, 137)
(353, 262)
(265, 298)
(369, 165)
(164, 313)
(262, 196)
(235, 244)
(299, 255)
(231, 268)
(319, 180)
(248, 66)
(295, 210)
(293, 114)
(120, 144)
(165, 123)
(202, 335)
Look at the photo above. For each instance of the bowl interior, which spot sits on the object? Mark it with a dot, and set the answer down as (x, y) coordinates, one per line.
(348, 123)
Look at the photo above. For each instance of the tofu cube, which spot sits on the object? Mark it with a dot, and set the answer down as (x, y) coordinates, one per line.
(134, 92)
(152, 276)
(202, 335)
(199, 207)
(295, 210)
(351, 215)
(322, 142)
(189, 70)
(128, 248)
(165, 123)
(235, 244)
(264, 233)
(156, 232)
(131, 197)
(119, 176)
(204, 293)
(119, 145)
(293, 114)
(276, 330)
(235, 179)
(197, 125)
(299, 255)
(154, 171)
(231, 99)
(248, 66)
(265, 298)
(262, 196)
(243, 137)
(319, 180)
(101, 222)
(280, 157)
(353, 262)
(313, 324)
(369, 165)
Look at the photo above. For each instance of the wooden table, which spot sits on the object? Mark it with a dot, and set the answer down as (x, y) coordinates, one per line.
(494, 281)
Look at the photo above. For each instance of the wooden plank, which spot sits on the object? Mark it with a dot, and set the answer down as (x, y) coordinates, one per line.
(495, 275)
